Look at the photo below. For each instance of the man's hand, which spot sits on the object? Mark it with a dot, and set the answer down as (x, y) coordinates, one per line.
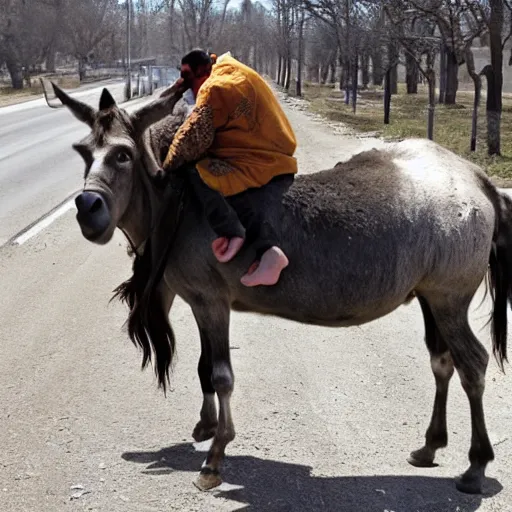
(177, 88)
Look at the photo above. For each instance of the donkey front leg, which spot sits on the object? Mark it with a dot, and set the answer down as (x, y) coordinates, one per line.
(213, 323)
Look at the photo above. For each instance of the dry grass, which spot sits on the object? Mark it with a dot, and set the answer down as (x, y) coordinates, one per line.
(452, 125)
(10, 96)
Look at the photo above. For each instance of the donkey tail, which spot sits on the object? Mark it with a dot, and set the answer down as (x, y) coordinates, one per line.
(500, 275)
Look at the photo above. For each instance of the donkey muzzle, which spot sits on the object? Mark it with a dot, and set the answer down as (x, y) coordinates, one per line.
(93, 214)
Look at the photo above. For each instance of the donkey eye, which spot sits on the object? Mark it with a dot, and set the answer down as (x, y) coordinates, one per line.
(122, 157)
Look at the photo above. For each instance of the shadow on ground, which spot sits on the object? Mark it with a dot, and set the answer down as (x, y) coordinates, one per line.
(270, 486)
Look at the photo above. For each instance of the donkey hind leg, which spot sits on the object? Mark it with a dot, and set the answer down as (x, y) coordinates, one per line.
(442, 366)
(213, 323)
(207, 424)
(470, 359)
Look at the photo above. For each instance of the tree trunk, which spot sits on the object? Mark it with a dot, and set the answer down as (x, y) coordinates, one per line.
(346, 72)
(341, 63)
(495, 78)
(452, 77)
(255, 58)
(171, 24)
(431, 80)
(442, 74)
(279, 69)
(283, 72)
(27, 76)
(493, 113)
(431, 108)
(313, 73)
(288, 72)
(324, 73)
(81, 67)
(393, 64)
(300, 56)
(470, 64)
(50, 58)
(394, 79)
(387, 96)
(377, 71)
(16, 73)
(355, 80)
(411, 71)
(332, 70)
(365, 70)
(223, 17)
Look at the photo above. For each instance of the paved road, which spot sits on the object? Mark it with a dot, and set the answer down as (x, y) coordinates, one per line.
(38, 168)
(325, 417)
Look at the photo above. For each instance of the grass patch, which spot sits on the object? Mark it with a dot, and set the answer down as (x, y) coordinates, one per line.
(452, 124)
(10, 96)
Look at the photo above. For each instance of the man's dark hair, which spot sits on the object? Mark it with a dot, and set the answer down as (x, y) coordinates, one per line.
(197, 60)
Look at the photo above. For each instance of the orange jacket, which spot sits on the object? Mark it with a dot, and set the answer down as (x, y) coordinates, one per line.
(237, 132)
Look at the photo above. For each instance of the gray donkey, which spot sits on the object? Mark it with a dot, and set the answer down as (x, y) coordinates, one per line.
(412, 219)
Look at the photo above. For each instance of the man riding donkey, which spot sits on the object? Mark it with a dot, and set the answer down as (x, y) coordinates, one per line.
(237, 137)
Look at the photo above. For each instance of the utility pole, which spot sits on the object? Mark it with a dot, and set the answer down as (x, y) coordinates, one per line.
(128, 89)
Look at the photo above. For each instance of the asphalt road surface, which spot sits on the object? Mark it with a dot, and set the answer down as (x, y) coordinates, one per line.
(325, 418)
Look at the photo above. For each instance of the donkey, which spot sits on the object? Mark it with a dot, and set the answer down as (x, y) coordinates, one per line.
(410, 220)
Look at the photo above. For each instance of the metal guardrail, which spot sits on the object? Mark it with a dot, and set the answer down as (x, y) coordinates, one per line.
(148, 79)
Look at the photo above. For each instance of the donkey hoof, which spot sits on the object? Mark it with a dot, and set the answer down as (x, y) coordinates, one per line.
(470, 482)
(208, 479)
(422, 458)
(203, 433)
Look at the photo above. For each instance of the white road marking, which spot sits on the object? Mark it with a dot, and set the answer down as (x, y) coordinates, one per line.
(44, 223)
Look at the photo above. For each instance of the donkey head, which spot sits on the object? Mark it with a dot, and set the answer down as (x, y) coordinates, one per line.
(112, 152)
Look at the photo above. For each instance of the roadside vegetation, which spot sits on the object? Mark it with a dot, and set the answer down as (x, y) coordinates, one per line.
(408, 118)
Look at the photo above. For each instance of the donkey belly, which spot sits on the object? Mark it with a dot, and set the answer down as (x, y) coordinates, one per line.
(340, 281)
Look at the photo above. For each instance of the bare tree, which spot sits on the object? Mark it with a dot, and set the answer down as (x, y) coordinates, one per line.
(88, 23)
(416, 36)
(459, 22)
(322, 51)
(344, 18)
(25, 33)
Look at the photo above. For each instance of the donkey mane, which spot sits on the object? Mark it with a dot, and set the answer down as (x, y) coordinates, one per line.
(148, 324)
(146, 316)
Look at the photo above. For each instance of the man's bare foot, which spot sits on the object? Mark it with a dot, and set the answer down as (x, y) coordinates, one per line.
(267, 271)
(226, 249)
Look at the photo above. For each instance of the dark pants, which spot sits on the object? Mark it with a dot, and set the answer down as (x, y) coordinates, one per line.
(241, 217)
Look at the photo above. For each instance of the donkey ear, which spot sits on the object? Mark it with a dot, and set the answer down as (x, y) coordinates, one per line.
(81, 111)
(106, 100)
(157, 109)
